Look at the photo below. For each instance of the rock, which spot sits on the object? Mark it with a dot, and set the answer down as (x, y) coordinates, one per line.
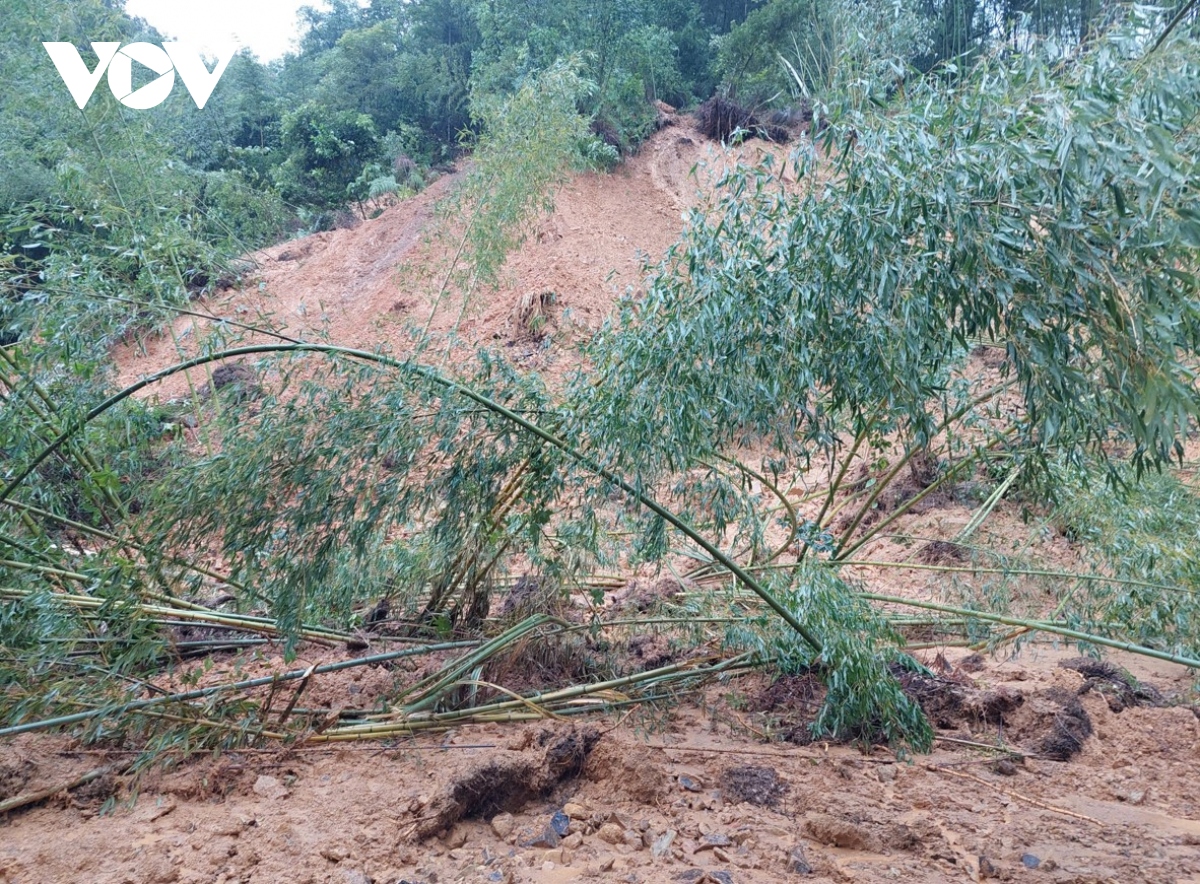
(690, 784)
(634, 840)
(355, 876)
(270, 787)
(986, 869)
(560, 823)
(712, 876)
(611, 833)
(456, 838)
(720, 854)
(713, 840)
(504, 825)
(547, 837)
(558, 856)
(886, 773)
(576, 811)
(573, 841)
(797, 862)
(335, 854)
(1029, 861)
(1004, 767)
(662, 844)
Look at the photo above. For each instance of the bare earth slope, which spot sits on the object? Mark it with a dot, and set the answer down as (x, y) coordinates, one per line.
(360, 287)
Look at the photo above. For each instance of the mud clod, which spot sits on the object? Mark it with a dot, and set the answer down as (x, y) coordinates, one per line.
(842, 833)
(942, 552)
(14, 776)
(949, 702)
(238, 380)
(1120, 689)
(630, 770)
(719, 117)
(1069, 726)
(508, 782)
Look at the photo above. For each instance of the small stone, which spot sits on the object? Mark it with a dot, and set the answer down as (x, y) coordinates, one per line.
(611, 833)
(1136, 797)
(573, 841)
(712, 841)
(797, 862)
(355, 876)
(576, 811)
(1005, 767)
(456, 838)
(503, 825)
(560, 823)
(712, 876)
(558, 856)
(633, 840)
(662, 844)
(722, 855)
(547, 837)
(335, 854)
(1029, 861)
(690, 784)
(269, 787)
(986, 868)
(606, 865)
(886, 773)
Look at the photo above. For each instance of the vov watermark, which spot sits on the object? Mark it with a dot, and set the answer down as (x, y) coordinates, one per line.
(167, 61)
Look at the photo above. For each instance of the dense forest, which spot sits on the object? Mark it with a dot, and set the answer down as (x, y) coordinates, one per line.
(1015, 174)
(378, 92)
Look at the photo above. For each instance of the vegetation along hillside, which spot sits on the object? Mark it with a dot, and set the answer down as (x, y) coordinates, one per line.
(693, 440)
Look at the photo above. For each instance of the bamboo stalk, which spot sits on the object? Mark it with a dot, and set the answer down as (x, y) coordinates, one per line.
(1037, 625)
(454, 388)
(201, 693)
(20, 801)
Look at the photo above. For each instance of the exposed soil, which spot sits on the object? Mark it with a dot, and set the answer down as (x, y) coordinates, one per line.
(1097, 782)
(696, 795)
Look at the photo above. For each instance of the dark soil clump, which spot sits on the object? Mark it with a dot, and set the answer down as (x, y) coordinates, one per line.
(1069, 728)
(508, 782)
(720, 117)
(1120, 689)
(949, 703)
(942, 552)
(759, 786)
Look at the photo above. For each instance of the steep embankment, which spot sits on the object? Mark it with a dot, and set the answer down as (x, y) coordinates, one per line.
(363, 285)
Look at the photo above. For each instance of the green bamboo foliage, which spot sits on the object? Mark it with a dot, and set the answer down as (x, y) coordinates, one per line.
(819, 313)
